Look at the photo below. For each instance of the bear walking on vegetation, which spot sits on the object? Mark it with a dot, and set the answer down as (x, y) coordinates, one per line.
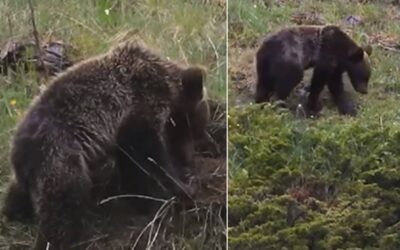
(284, 55)
(77, 124)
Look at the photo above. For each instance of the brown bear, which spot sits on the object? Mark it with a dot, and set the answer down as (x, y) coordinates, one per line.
(76, 124)
(283, 56)
(185, 128)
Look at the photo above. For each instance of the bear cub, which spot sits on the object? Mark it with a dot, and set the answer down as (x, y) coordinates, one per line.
(283, 56)
(80, 121)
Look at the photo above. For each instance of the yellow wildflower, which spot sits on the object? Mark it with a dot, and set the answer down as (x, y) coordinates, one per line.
(13, 102)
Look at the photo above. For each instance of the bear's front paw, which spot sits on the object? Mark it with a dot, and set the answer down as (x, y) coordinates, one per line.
(347, 107)
(184, 192)
(314, 108)
(185, 199)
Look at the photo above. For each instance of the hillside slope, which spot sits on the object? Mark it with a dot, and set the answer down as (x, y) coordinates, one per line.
(326, 183)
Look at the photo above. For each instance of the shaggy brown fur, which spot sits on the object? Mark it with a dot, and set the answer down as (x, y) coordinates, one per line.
(76, 125)
(284, 55)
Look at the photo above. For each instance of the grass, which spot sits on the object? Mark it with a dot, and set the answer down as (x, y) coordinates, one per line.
(191, 32)
(326, 183)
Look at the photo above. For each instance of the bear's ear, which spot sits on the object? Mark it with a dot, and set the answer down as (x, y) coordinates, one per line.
(192, 83)
(368, 49)
(356, 55)
(330, 31)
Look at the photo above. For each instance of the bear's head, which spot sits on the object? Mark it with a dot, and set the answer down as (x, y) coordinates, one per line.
(349, 56)
(190, 116)
(194, 100)
(360, 71)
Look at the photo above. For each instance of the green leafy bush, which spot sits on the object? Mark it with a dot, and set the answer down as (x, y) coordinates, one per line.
(312, 184)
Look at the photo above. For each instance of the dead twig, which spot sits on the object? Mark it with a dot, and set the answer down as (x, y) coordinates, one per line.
(36, 36)
(91, 240)
(176, 182)
(142, 168)
(108, 199)
(10, 28)
(160, 213)
(151, 241)
(388, 48)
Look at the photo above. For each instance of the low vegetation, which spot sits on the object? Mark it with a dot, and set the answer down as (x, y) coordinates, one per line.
(326, 183)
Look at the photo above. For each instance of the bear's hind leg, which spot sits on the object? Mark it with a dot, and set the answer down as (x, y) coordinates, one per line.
(265, 82)
(264, 90)
(18, 204)
(62, 200)
(135, 177)
(287, 77)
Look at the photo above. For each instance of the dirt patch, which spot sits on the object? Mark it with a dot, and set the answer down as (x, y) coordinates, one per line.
(242, 74)
(307, 18)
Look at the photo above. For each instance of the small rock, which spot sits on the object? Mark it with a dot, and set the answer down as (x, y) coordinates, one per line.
(353, 20)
